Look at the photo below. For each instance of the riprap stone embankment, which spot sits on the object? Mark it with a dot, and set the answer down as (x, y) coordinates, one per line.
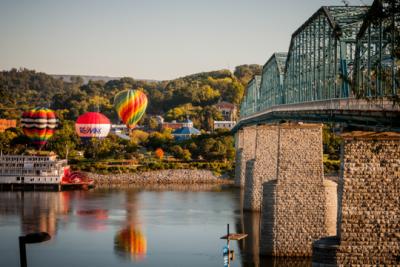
(160, 177)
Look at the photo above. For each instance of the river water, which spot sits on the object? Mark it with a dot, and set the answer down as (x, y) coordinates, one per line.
(169, 226)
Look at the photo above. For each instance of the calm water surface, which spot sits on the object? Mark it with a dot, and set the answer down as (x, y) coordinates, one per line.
(130, 227)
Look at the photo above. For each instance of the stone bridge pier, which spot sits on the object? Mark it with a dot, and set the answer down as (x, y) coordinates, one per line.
(285, 181)
(245, 151)
(369, 204)
(263, 168)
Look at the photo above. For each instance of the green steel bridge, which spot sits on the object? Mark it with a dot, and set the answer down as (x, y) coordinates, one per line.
(343, 66)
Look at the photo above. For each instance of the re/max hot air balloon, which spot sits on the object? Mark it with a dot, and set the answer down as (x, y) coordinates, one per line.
(39, 125)
(92, 125)
(130, 106)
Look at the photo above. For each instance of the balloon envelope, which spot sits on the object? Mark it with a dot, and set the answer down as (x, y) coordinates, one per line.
(39, 125)
(92, 125)
(130, 106)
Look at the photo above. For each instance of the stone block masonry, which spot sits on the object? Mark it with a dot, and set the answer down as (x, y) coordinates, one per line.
(238, 157)
(264, 167)
(249, 186)
(247, 145)
(239, 165)
(370, 207)
(295, 206)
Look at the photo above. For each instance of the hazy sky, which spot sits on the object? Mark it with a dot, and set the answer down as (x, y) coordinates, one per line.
(147, 39)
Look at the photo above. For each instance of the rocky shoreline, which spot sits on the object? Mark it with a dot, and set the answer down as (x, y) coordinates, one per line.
(184, 176)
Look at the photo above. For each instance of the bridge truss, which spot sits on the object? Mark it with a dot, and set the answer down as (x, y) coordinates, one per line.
(341, 53)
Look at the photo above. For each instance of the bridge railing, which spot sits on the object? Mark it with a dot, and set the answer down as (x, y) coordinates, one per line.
(332, 104)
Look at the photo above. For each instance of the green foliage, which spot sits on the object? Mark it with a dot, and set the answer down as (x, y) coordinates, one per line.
(109, 147)
(331, 166)
(139, 137)
(205, 95)
(64, 141)
(180, 153)
(193, 95)
(202, 117)
(246, 72)
(331, 143)
(153, 123)
(10, 142)
(211, 147)
(160, 139)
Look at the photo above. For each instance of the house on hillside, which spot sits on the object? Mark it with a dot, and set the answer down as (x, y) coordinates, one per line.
(185, 132)
(174, 125)
(228, 110)
(224, 125)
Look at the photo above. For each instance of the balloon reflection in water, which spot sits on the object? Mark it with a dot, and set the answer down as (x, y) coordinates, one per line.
(131, 241)
(93, 219)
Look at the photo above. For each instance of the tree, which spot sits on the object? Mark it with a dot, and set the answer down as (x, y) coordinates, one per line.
(180, 153)
(205, 95)
(153, 123)
(6, 141)
(159, 153)
(65, 140)
(246, 72)
(138, 137)
(102, 148)
(160, 139)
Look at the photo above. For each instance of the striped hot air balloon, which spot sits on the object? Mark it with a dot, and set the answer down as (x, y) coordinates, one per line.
(39, 125)
(130, 106)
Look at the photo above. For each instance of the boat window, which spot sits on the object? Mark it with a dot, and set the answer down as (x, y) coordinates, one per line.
(18, 178)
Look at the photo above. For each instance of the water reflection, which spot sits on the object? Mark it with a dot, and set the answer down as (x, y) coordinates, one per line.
(130, 241)
(250, 246)
(249, 223)
(103, 226)
(284, 262)
(93, 219)
(37, 212)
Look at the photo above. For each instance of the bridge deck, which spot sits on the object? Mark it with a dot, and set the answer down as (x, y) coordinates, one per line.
(371, 114)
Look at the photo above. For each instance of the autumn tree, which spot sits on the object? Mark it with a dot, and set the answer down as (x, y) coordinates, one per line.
(159, 153)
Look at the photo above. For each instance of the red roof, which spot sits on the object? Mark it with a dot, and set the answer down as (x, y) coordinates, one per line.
(93, 118)
(225, 105)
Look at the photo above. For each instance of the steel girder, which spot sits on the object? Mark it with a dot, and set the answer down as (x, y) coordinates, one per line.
(271, 90)
(321, 55)
(250, 103)
(377, 66)
(338, 53)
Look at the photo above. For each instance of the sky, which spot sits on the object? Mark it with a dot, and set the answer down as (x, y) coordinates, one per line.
(147, 39)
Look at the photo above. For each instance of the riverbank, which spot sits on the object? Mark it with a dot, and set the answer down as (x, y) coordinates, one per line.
(181, 176)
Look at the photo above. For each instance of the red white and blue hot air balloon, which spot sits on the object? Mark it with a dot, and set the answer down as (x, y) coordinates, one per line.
(92, 125)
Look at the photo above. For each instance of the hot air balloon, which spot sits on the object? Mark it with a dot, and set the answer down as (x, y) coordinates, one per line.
(130, 106)
(92, 125)
(39, 125)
